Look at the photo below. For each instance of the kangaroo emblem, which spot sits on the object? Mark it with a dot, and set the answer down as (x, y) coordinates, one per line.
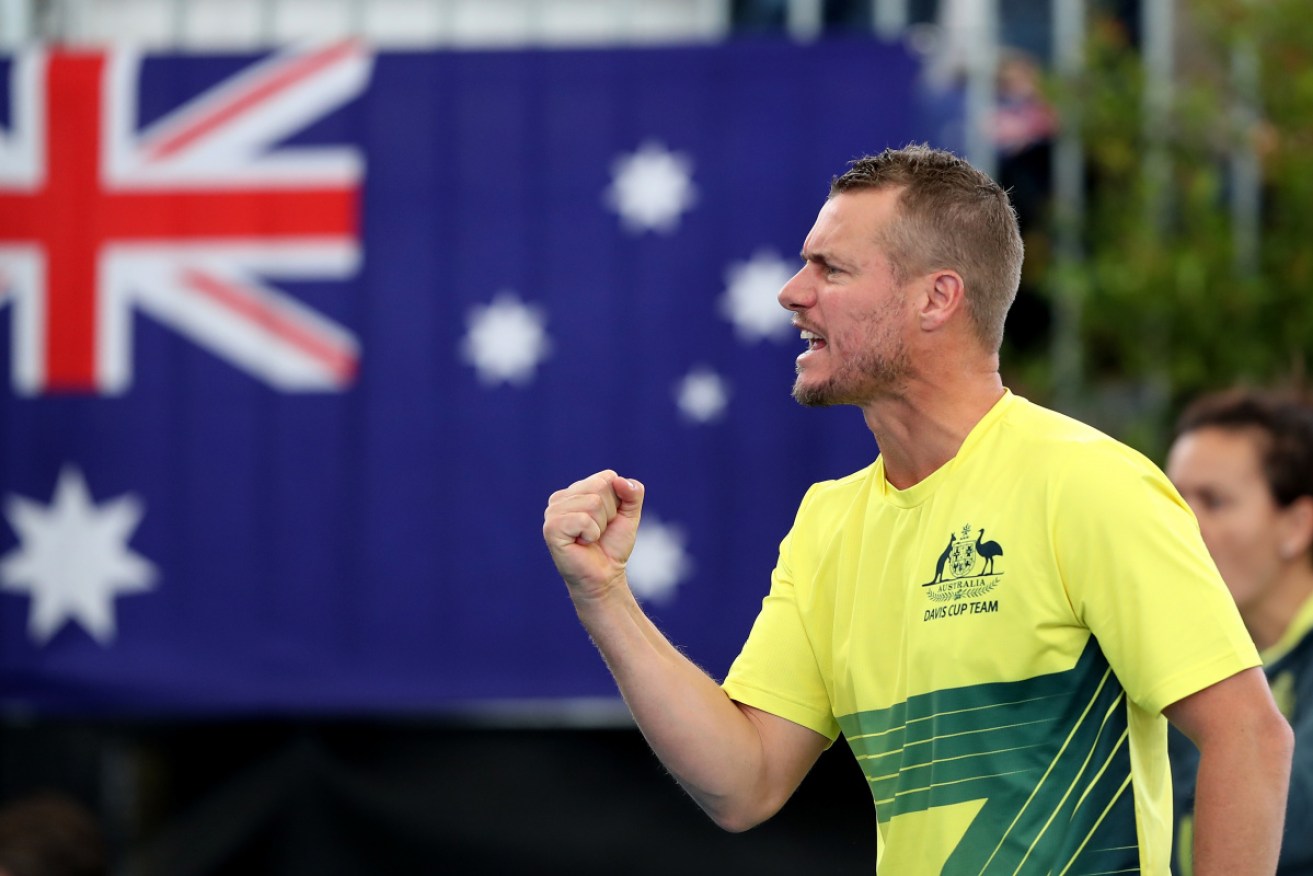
(964, 571)
(943, 559)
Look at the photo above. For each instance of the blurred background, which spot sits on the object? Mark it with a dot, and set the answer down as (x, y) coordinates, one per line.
(306, 306)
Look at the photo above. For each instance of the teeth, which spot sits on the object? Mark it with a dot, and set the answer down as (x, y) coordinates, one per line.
(810, 336)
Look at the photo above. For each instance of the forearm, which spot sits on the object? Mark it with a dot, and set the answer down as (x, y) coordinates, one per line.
(738, 763)
(1240, 802)
(710, 746)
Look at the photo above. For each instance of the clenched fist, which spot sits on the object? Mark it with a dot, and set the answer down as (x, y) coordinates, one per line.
(590, 528)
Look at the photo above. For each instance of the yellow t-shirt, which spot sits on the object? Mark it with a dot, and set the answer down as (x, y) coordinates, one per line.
(997, 643)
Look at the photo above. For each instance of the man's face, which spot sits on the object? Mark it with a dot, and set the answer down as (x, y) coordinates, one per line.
(1219, 473)
(848, 306)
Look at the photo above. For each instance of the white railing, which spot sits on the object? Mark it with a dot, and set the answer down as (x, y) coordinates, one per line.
(224, 24)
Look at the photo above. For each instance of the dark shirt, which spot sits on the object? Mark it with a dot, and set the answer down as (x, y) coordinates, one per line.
(1291, 677)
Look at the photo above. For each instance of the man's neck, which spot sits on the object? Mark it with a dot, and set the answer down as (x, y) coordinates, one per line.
(924, 426)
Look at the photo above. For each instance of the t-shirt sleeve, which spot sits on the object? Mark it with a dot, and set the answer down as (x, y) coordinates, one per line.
(1139, 576)
(777, 670)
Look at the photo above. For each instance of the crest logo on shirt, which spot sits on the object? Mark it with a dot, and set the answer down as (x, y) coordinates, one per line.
(967, 568)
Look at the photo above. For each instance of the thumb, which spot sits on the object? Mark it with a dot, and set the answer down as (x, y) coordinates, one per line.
(630, 493)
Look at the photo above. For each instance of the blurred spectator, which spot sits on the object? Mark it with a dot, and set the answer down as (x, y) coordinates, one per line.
(1023, 117)
(1244, 462)
(1021, 127)
(50, 834)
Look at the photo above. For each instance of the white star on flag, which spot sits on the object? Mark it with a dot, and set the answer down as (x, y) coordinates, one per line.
(651, 188)
(73, 558)
(702, 395)
(505, 340)
(659, 562)
(751, 300)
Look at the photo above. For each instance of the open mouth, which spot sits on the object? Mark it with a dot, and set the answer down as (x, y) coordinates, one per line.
(814, 341)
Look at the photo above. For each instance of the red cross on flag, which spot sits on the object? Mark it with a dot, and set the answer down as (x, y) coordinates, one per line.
(186, 220)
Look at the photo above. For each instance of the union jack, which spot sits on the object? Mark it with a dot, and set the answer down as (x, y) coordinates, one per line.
(185, 219)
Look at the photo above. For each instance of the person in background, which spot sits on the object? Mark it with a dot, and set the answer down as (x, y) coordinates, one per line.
(1000, 613)
(1022, 126)
(1244, 462)
(50, 834)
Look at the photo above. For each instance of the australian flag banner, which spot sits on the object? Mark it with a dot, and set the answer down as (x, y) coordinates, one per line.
(295, 346)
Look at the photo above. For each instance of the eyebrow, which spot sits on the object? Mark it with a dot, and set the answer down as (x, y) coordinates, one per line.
(826, 259)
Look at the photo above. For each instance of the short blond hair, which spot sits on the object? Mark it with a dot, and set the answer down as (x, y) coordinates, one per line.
(950, 215)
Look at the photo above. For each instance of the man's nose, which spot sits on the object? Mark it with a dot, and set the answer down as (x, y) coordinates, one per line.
(796, 294)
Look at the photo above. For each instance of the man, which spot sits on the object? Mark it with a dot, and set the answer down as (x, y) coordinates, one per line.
(1006, 707)
(1243, 461)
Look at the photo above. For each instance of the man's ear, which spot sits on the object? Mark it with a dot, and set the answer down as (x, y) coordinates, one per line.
(945, 295)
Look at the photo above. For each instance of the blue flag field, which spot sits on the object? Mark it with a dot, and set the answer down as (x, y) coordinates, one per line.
(294, 347)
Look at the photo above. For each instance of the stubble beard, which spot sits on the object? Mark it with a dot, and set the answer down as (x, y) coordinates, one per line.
(876, 374)
(878, 367)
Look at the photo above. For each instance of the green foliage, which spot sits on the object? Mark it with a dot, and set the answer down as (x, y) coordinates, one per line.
(1169, 307)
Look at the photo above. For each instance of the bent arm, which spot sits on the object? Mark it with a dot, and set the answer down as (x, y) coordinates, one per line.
(1244, 769)
(740, 764)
